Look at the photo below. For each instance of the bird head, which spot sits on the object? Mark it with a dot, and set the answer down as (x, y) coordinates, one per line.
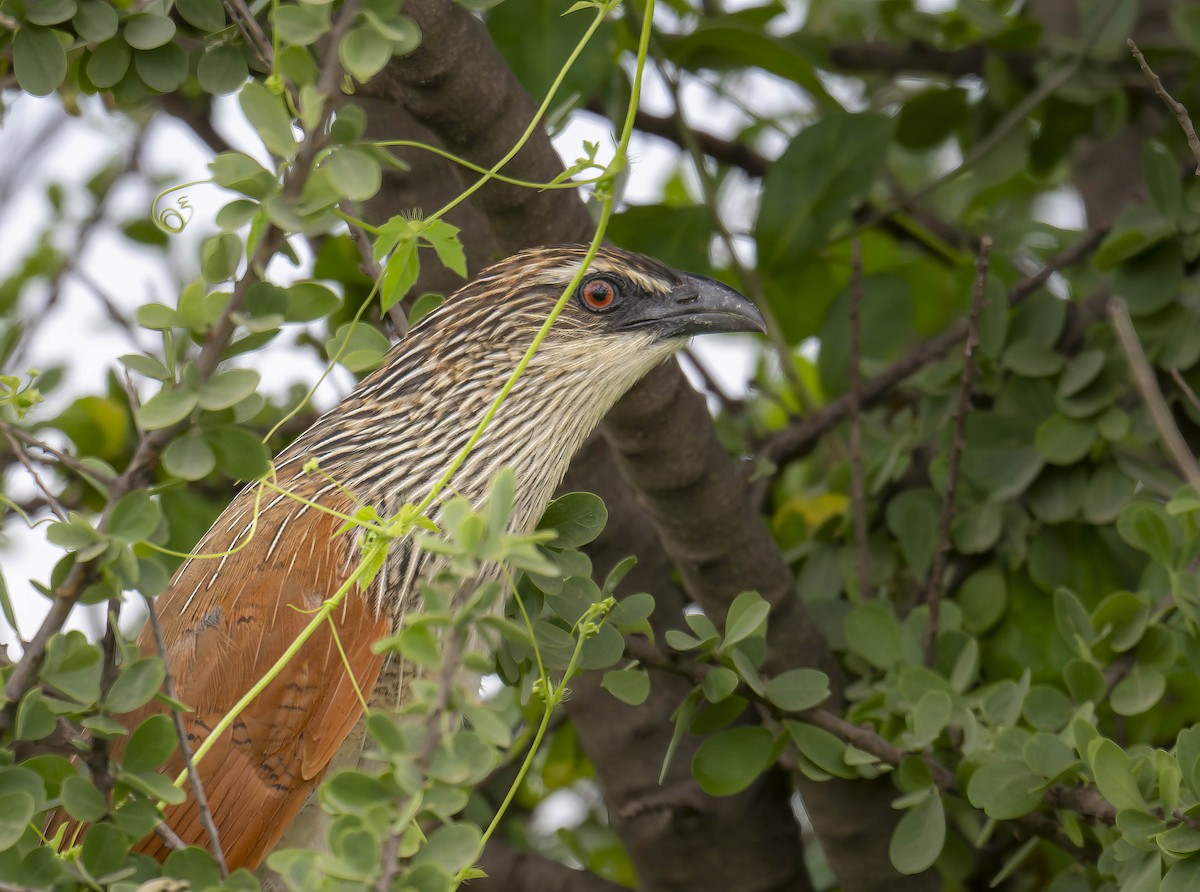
(621, 293)
(625, 316)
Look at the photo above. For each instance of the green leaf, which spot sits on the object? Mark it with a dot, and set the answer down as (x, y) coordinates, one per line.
(447, 245)
(1005, 790)
(577, 518)
(823, 172)
(423, 306)
(983, 597)
(826, 752)
(1048, 756)
(1151, 280)
(1000, 457)
(136, 685)
(873, 633)
(1138, 691)
(451, 846)
(1114, 775)
(108, 62)
(798, 689)
(400, 29)
(16, 813)
(135, 517)
(309, 301)
(49, 12)
(163, 68)
(150, 744)
(1064, 441)
(1161, 172)
(241, 173)
(227, 388)
(167, 407)
(912, 517)
(1147, 527)
(402, 269)
(1183, 876)
(363, 53)
(240, 453)
(929, 717)
(204, 15)
(355, 172)
(81, 799)
(222, 69)
(630, 686)
(919, 836)
(747, 614)
(146, 31)
(94, 21)
(189, 456)
(72, 667)
(269, 116)
(39, 60)
(719, 684)
(930, 117)
(302, 24)
(219, 256)
(729, 761)
(357, 346)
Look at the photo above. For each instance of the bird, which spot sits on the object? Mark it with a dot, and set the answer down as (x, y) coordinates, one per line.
(226, 620)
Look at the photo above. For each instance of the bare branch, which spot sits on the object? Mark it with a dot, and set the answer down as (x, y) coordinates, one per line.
(23, 458)
(937, 571)
(1152, 398)
(1177, 108)
(185, 748)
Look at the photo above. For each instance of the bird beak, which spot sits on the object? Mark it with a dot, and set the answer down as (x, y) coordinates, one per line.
(699, 305)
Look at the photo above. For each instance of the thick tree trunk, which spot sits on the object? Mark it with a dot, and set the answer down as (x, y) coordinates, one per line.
(458, 86)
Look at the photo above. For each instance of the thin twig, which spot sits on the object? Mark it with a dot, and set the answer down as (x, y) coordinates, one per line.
(68, 461)
(435, 726)
(206, 818)
(1177, 108)
(1152, 398)
(19, 452)
(98, 760)
(858, 490)
(170, 837)
(1186, 388)
(240, 14)
(730, 404)
(935, 586)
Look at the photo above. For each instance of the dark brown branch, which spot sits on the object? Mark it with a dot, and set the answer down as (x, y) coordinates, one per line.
(958, 441)
(858, 490)
(796, 440)
(890, 58)
(1177, 108)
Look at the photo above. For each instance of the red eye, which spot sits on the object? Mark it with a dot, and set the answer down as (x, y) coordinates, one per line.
(599, 294)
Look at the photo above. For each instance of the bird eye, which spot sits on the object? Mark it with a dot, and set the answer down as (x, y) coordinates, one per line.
(599, 294)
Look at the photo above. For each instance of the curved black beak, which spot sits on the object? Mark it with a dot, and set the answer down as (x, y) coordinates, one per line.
(698, 305)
